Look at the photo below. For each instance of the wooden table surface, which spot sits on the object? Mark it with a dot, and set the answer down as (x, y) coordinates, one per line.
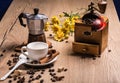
(105, 69)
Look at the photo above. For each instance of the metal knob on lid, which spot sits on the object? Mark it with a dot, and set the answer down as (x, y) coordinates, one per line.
(36, 10)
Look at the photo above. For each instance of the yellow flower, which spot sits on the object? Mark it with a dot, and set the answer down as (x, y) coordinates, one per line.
(59, 36)
(72, 27)
(47, 24)
(75, 17)
(56, 28)
(66, 23)
(66, 36)
(65, 30)
(55, 20)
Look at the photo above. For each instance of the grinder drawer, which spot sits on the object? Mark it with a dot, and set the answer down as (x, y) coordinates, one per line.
(85, 48)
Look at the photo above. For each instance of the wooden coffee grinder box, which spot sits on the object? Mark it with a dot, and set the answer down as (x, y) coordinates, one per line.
(90, 42)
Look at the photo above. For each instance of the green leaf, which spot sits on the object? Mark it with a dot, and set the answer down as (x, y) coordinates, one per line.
(66, 14)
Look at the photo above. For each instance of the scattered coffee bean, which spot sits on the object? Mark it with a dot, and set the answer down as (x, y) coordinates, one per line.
(60, 69)
(35, 62)
(109, 50)
(15, 78)
(12, 55)
(54, 74)
(9, 76)
(53, 51)
(1, 55)
(42, 72)
(41, 81)
(27, 58)
(66, 41)
(10, 81)
(31, 76)
(53, 79)
(21, 80)
(50, 46)
(32, 79)
(19, 77)
(50, 35)
(4, 51)
(29, 81)
(15, 60)
(94, 58)
(31, 71)
(51, 70)
(65, 69)
(9, 63)
(37, 77)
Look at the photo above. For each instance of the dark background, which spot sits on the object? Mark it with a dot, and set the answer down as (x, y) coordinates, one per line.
(117, 6)
(4, 4)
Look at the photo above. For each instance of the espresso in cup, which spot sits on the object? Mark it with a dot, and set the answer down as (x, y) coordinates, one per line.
(35, 50)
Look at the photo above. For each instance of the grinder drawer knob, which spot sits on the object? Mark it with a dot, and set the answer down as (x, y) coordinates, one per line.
(84, 49)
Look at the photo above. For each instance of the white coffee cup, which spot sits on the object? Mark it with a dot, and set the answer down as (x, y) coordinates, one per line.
(35, 50)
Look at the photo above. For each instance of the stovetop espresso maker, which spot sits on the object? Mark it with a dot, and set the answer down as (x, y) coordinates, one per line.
(35, 23)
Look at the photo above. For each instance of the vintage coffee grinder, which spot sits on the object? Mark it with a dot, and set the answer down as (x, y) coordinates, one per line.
(91, 33)
(35, 23)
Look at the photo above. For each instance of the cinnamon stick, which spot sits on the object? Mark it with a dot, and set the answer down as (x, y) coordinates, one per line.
(49, 58)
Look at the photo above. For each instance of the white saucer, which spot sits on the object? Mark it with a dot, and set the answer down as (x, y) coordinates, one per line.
(44, 64)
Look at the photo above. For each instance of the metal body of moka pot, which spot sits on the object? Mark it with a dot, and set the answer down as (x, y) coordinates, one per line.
(35, 23)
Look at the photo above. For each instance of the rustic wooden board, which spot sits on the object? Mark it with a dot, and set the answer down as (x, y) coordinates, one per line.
(105, 69)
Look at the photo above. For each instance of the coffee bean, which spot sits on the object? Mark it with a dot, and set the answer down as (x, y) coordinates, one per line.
(66, 41)
(50, 73)
(19, 77)
(109, 50)
(37, 77)
(51, 70)
(94, 58)
(42, 72)
(54, 74)
(9, 76)
(32, 79)
(9, 63)
(62, 76)
(31, 76)
(1, 55)
(50, 35)
(53, 51)
(15, 60)
(30, 72)
(65, 69)
(50, 46)
(15, 78)
(12, 55)
(10, 81)
(29, 81)
(41, 81)
(27, 58)
(4, 51)
(35, 62)
(53, 79)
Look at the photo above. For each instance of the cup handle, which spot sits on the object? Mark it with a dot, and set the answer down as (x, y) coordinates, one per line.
(22, 50)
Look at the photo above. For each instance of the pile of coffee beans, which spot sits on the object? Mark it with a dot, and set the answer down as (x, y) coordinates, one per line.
(33, 74)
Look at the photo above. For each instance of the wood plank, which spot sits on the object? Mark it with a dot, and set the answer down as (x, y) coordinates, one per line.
(102, 70)
(10, 18)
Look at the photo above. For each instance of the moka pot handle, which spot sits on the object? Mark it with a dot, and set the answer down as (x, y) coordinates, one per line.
(21, 16)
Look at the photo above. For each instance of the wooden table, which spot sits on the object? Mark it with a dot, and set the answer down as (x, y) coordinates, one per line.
(105, 69)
